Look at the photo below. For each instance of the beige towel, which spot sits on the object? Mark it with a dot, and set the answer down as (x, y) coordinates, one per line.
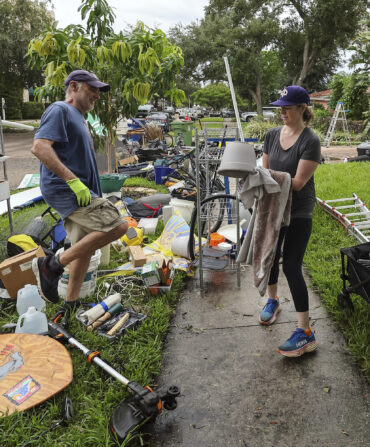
(271, 212)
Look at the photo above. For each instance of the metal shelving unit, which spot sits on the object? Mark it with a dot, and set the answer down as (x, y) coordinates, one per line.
(216, 213)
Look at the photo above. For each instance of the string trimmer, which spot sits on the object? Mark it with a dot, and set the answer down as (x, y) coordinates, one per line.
(142, 406)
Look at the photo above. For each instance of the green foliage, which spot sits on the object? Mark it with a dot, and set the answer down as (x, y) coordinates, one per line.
(32, 110)
(351, 90)
(137, 64)
(361, 45)
(215, 95)
(13, 95)
(323, 258)
(20, 21)
(257, 128)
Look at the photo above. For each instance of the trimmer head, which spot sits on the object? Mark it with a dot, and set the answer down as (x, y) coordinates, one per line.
(144, 405)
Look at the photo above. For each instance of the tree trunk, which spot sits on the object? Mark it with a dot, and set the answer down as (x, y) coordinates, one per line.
(257, 94)
(307, 61)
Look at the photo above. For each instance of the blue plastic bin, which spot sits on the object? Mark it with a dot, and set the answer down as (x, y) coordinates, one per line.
(161, 173)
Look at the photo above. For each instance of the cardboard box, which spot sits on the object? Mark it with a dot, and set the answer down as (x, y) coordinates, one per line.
(125, 161)
(137, 255)
(16, 272)
(150, 274)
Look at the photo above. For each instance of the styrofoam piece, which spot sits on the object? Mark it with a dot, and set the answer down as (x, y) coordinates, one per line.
(230, 231)
(223, 246)
(149, 225)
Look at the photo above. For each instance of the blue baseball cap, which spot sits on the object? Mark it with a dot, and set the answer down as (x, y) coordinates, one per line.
(292, 96)
(89, 78)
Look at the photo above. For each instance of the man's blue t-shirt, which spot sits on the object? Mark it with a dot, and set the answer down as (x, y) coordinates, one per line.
(65, 125)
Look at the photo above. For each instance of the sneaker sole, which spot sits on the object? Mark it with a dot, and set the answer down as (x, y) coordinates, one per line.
(272, 319)
(36, 272)
(310, 347)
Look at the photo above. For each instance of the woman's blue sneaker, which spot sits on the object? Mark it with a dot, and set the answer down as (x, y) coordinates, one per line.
(270, 311)
(298, 344)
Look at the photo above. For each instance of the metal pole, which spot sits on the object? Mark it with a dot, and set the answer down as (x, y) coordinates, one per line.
(241, 136)
(9, 207)
(198, 210)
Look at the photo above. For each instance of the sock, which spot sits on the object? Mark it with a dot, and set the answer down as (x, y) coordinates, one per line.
(309, 332)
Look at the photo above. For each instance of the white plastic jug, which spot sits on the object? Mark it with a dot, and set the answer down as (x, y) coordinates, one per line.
(29, 296)
(32, 322)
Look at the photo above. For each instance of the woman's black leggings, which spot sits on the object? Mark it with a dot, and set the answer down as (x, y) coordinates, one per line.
(295, 238)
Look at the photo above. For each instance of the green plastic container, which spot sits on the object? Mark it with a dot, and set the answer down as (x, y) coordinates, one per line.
(185, 128)
(112, 182)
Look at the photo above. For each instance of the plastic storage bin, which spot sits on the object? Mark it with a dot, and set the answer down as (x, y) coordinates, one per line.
(112, 182)
(161, 173)
(89, 284)
(185, 128)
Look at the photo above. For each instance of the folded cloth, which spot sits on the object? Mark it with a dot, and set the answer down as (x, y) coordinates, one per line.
(253, 186)
(272, 211)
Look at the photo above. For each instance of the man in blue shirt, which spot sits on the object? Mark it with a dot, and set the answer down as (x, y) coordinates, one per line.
(69, 181)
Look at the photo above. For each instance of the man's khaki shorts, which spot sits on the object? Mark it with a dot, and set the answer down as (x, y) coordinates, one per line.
(100, 215)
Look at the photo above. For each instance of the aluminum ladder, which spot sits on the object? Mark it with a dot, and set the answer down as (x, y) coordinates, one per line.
(339, 115)
(356, 223)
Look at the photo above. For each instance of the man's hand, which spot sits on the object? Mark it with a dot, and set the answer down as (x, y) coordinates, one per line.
(81, 191)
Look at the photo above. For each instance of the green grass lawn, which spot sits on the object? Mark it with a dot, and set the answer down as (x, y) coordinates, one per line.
(323, 259)
(137, 355)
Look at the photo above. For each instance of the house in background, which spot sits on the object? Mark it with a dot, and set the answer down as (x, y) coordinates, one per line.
(324, 97)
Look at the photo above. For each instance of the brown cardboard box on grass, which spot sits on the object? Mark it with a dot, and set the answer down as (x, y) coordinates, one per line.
(16, 272)
(137, 255)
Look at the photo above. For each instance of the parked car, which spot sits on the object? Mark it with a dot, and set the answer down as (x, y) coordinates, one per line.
(215, 113)
(227, 113)
(170, 110)
(268, 112)
(162, 119)
(143, 111)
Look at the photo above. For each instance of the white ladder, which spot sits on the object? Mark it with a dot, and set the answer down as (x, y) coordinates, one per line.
(356, 223)
(339, 115)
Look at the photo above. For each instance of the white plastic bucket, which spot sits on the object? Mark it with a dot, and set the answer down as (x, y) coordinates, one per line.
(184, 207)
(89, 284)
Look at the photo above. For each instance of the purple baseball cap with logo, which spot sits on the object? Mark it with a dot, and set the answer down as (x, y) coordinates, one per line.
(89, 78)
(292, 96)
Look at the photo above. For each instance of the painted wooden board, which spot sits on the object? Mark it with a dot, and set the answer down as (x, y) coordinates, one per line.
(20, 198)
(33, 368)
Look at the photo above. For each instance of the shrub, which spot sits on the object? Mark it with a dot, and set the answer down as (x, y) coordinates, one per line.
(32, 110)
(257, 128)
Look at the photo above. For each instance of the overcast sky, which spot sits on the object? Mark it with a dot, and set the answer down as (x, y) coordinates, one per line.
(162, 14)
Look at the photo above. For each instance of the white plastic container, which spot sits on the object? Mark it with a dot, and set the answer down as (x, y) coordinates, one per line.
(148, 225)
(29, 296)
(32, 322)
(184, 207)
(89, 284)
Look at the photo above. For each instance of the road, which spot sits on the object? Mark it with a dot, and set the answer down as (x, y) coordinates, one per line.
(21, 161)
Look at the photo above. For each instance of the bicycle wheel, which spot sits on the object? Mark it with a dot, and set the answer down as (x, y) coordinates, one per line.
(169, 139)
(214, 211)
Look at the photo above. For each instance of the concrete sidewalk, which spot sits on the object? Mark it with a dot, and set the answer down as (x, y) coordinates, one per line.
(236, 390)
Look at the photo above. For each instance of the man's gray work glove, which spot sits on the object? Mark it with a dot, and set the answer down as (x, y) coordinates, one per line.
(81, 191)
